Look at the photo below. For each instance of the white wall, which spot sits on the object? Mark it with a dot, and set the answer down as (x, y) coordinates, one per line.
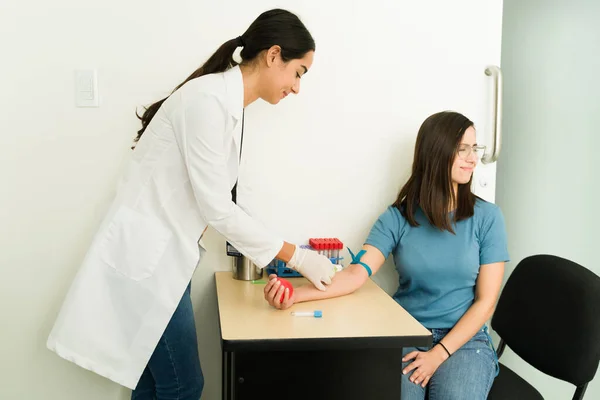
(548, 173)
(381, 68)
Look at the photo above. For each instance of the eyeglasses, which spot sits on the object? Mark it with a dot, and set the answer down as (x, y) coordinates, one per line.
(464, 151)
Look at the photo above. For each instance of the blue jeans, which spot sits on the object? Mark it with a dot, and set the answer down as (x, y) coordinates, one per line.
(468, 374)
(174, 372)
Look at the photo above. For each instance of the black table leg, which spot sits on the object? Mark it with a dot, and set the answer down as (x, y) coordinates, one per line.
(227, 383)
(400, 380)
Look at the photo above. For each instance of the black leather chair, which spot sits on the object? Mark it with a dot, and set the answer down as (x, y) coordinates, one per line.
(549, 315)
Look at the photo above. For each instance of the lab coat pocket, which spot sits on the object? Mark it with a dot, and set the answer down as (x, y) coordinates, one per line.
(134, 244)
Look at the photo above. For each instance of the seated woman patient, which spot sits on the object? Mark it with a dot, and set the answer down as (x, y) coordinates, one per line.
(449, 247)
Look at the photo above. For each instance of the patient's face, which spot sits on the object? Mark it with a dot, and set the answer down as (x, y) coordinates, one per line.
(466, 158)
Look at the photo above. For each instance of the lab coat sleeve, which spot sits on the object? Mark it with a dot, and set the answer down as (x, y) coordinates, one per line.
(199, 125)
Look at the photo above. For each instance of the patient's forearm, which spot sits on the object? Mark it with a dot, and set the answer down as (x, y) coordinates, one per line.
(343, 283)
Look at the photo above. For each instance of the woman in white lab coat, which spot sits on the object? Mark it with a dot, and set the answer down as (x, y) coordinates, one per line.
(128, 314)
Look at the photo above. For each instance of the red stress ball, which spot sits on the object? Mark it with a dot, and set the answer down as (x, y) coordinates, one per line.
(287, 285)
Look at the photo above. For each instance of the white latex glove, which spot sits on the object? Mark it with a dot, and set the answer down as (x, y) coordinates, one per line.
(313, 266)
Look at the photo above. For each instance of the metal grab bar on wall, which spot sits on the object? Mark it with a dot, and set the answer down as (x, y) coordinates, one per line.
(495, 73)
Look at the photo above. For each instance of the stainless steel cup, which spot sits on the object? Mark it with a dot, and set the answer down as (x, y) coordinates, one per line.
(245, 270)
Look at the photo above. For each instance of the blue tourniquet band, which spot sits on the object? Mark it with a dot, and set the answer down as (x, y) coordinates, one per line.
(356, 260)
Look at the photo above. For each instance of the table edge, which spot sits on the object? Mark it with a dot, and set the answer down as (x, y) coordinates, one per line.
(308, 344)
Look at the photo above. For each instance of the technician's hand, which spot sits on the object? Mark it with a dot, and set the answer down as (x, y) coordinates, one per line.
(424, 365)
(313, 266)
(273, 292)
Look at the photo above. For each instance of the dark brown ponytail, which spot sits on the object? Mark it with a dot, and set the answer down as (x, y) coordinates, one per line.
(274, 27)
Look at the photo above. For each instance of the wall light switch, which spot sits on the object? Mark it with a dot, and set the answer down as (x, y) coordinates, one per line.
(86, 88)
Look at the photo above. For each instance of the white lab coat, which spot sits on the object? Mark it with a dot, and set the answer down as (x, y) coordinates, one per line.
(146, 249)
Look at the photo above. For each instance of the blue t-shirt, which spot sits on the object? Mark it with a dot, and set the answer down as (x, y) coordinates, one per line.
(438, 270)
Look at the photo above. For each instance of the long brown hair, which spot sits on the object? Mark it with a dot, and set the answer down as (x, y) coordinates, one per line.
(430, 183)
(273, 27)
